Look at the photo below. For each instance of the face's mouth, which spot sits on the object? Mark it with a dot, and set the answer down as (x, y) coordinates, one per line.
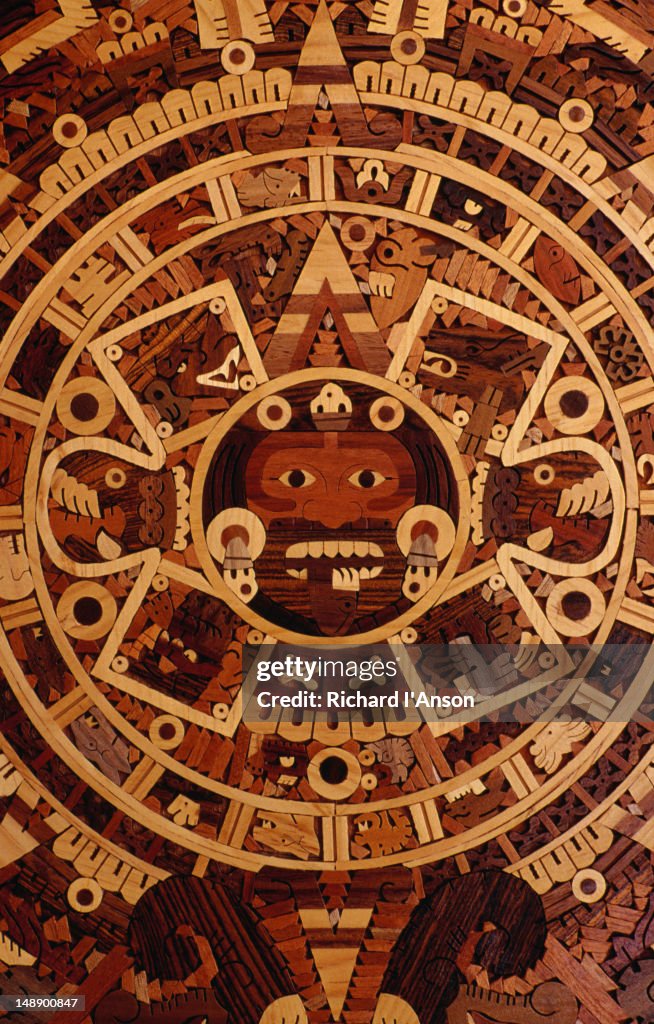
(343, 563)
(338, 578)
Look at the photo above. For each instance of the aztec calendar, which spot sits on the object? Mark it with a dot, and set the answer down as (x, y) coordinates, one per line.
(322, 323)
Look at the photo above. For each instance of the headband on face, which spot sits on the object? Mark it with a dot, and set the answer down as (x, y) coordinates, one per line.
(331, 409)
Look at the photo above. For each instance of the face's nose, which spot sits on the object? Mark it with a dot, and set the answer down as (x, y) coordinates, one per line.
(332, 511)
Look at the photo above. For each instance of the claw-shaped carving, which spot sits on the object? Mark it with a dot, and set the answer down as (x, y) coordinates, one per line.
(393, 1010)
(122, 1007)
(287, 1010)
(15, 578)
(13, 955)
(549, 1001)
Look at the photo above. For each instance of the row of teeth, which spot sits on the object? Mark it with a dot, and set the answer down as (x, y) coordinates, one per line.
(334, 548)
(342, 579)
(350, 579)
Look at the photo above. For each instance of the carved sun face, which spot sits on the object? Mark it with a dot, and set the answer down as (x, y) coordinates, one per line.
(322, 498)
(317, 536)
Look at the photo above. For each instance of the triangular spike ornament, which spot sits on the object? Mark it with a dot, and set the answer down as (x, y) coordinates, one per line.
(323, 68)
(326, 283)
(335, 968)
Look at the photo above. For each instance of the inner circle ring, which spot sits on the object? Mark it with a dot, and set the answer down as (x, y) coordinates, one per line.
(231, 418)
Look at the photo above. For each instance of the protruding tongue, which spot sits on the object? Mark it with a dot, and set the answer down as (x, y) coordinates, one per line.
(333, 610)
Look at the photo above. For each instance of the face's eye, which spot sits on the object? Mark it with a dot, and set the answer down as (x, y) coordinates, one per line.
(366, 478)
(296, 478)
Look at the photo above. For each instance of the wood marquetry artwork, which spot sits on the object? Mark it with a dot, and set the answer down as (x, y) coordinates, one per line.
(322, 321)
